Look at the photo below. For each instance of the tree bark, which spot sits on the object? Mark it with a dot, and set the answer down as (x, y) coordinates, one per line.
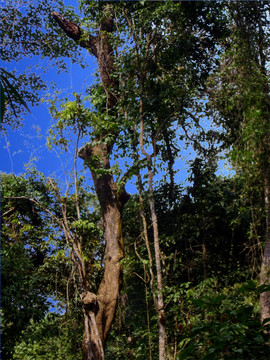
(92, 345)
(112, 201)
(160, 302)
(99, 310)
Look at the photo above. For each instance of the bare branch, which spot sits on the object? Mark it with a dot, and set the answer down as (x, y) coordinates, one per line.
(7, 212)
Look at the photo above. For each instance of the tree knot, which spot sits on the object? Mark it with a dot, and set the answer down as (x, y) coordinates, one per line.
(85, 152)
(90, 302)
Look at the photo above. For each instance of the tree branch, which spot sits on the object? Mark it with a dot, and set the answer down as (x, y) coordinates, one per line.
(74, 32)
(8, 212)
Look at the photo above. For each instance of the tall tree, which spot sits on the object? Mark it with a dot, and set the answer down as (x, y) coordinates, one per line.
(100, 308)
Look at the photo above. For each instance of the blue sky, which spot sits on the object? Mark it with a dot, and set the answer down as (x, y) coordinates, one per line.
(21, 146)
(28, 143)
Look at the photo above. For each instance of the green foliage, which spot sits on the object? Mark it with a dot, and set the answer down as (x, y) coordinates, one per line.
(8, 91)
(239, 90)
(23, 295)
(55, 337)
(223, 323)
(23, 228)
(36, 263)
(164, 52)
(27, 31)
(207, 228)
(216, 313)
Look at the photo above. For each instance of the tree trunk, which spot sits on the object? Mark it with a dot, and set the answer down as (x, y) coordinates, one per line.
(99, 310)
(112, 201)
(160, 302)
(92, 345)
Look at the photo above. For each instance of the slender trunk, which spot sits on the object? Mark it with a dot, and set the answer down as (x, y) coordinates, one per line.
(142, 75)
(148, 323)
(160, 302)
(146, 238)
(147, 243)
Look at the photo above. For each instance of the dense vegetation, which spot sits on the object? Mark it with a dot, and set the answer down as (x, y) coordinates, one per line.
(176, 270)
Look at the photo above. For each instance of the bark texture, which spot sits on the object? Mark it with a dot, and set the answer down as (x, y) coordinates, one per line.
(112, 201)
(99, 309)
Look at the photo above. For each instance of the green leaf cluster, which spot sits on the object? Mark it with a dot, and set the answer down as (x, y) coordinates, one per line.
(55, 337)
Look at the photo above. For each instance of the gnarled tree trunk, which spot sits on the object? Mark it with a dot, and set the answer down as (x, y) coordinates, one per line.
(112, 201)
(99, 309)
